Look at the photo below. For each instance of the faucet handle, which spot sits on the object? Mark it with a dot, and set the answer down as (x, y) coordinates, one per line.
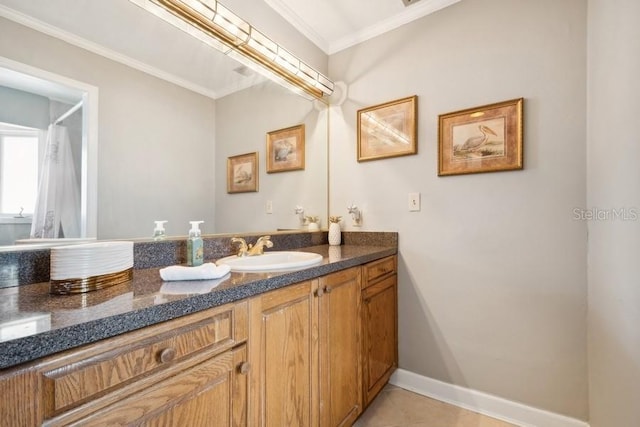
(258, 247)
(243, 248)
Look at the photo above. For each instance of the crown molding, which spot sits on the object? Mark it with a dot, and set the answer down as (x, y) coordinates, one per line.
(299, 24)
(90, 46)
(411, 13)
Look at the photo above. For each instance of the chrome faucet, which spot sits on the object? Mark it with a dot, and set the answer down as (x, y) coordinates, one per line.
(251, 250)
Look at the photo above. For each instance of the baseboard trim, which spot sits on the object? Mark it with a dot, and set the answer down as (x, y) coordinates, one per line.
(486, 404)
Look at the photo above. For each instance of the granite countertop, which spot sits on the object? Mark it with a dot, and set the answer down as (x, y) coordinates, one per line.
(34, 323)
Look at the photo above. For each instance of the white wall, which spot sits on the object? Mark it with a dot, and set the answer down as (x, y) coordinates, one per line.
(492, 289)
(23, 108)
(614, 184)
(156, 140)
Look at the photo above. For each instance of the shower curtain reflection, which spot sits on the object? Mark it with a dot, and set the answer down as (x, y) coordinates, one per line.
(57, 210)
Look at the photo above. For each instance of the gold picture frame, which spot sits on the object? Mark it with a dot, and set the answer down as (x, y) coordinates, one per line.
(242, 173)
(285, 149)
(388, 130)
(481, 139)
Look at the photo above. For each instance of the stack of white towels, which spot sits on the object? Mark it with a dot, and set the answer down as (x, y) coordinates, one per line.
(90, 260)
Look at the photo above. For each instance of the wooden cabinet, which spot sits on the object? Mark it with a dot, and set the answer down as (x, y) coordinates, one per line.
(212, 393)
(310, 354)
(284, 355)
(305, 343)
(340, 370)
(188, 371)
(379, 325)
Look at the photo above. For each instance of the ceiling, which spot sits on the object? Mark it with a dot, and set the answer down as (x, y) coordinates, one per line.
(122, 31)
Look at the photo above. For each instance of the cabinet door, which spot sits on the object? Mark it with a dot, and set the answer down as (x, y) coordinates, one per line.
(340, 373)
(211, 394)
(283, 340)
(379, 317)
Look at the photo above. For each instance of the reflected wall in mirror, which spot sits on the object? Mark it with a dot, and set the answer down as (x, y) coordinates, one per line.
(243, 120)
(163, 148)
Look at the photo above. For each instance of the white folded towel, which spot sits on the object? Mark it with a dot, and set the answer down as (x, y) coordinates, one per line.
(203, 272)
(193, 287)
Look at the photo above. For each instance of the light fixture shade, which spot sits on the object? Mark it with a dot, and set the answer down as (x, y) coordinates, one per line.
(262, 45)
(235, 28)
(219, 27)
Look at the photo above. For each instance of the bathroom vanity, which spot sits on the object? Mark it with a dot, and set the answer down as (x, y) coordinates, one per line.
(310, 347)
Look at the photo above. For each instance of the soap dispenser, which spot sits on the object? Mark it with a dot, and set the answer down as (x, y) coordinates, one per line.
(195, 249)
(158, 232)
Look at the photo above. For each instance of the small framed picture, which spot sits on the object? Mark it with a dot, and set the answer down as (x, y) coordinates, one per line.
(388, 130)
(285, 149)
(481, 139)
(242, 173)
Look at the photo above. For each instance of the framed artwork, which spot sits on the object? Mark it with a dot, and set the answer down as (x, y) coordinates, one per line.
(285, 149)
(242, 173)
(388, 130)
(481, 139)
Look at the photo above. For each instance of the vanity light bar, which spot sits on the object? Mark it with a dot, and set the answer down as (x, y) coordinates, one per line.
(217, 26)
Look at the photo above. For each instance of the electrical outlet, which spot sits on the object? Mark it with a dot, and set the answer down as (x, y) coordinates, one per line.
(269, 207)
(414, 202)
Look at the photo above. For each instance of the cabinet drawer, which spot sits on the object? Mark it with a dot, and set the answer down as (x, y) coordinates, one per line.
(88, 373)
(211, 394)
(378, 269)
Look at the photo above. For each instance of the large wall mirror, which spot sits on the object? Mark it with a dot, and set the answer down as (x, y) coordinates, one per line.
(164, 132)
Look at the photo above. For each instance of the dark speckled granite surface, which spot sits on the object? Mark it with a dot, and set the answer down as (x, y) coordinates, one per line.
(34, 324)
(29, 265)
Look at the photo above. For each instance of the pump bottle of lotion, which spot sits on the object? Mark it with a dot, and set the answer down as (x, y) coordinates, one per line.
(195, 249)
(158, 232)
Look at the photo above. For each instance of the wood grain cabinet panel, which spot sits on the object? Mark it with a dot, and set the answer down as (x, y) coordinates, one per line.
(211, 394)
(379, 327)
(283, 343)
(378, 269)
(340, 370)
(74, 382)
(305, 342)
(136, 375)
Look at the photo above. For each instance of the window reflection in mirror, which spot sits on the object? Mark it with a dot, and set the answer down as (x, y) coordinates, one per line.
(18, 170)
(42, 122)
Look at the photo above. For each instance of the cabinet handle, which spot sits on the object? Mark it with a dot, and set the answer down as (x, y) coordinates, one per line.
(244, 368)
(327, 290)
(167, 355)
(320, 292)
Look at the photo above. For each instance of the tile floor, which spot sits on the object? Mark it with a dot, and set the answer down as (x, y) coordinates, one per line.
(396, 407)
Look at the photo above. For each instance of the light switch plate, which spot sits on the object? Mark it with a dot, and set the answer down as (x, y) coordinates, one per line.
(414, 202)
(269, 207)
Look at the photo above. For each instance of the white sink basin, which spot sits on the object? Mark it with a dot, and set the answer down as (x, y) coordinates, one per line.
(270, 261)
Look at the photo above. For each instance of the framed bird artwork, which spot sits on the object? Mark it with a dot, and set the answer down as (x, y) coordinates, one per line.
(242, 173)
(481, 139)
